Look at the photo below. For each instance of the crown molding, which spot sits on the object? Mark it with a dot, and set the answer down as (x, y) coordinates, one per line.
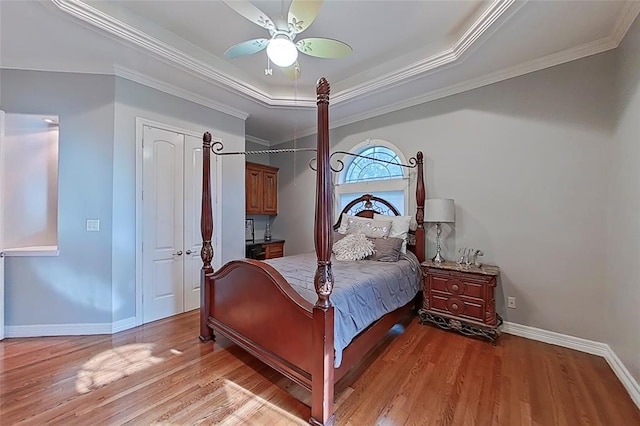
(257, 140)
(170, 89)
(553, 59)
(469, 39)
(448, 56)
(122, 30)
(95, 17)
(625, 20)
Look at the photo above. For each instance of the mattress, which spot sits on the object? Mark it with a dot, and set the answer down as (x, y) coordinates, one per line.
(364, 290)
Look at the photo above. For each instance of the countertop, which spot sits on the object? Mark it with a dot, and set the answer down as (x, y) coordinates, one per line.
(256, 242)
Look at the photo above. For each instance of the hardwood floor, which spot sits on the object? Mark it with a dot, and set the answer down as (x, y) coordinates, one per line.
(160, 374)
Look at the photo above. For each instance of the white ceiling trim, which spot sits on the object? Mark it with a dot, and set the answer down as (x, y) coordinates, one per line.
(105, 22)
(170, 89)
(629, 13)
(257, 140)
(81, 10)
(446, 57)
(557, 58)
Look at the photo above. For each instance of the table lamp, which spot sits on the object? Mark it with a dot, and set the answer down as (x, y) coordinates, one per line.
(439, 210)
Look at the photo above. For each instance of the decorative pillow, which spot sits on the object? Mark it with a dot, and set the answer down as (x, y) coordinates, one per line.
(337, 236)
(344, 222)
(353, 247)
(369, 227)
(386, 249)
(399, 227)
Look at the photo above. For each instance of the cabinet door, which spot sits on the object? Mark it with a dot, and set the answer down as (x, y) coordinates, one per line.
(274, 250)
(270, 200)
(253, 188)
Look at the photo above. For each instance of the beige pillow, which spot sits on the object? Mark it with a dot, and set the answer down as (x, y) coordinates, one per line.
(369, 227)
(399, 227)
(343, 223)
(386, 249)
(353, 247)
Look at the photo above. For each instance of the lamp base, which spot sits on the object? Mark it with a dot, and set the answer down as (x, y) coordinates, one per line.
(438, 258)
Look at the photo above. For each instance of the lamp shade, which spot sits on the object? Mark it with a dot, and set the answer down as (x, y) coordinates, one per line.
(439, 210)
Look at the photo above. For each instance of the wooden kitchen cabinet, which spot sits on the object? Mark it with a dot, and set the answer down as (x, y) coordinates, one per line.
(261, 189)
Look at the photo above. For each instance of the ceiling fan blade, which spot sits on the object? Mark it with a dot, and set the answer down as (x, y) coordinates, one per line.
(302, 13)
(293, 72)
(252, 13)
(245, 48)
(323, 47)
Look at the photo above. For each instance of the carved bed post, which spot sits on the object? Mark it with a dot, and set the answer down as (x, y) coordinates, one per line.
(206, 230)
(420, 197)
(322, 370)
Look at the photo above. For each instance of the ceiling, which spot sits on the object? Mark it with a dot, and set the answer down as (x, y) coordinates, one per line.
(404, 52)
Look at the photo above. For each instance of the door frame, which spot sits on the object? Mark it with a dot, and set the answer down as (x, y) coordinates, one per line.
(2, 247)
(217, 202)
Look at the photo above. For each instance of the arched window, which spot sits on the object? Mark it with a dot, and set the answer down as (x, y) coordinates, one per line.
(367, 167)
(375, 171)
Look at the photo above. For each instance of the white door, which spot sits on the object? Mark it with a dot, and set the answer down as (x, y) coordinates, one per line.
(163, 223)
(2, 247)
(192, 207)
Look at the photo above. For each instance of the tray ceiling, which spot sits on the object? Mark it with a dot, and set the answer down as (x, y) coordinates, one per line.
(404, 52)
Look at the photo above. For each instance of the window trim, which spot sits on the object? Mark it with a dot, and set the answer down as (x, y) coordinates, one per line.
(372, 186)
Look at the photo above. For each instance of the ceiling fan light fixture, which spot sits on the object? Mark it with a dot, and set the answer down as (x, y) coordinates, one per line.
(282, 51)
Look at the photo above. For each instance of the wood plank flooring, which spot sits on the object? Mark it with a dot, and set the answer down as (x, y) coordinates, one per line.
(160, 374)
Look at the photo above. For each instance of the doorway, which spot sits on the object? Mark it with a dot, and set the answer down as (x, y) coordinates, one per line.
(171, 241)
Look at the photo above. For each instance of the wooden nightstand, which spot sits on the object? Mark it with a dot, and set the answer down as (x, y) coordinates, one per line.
(459, 297)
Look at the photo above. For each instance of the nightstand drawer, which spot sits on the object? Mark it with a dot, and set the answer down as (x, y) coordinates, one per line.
(457, 286)
(458, 307)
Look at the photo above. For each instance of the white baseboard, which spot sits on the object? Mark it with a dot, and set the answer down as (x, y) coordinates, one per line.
(582, 345)
(628, 381)
(57, 330)
(564, 340)
(45, 330)
(124, 324)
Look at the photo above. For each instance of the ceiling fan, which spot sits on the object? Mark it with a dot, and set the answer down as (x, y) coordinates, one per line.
(281, 49)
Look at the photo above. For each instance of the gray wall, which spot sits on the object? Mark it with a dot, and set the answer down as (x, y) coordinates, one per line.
(93, 278)
(256, 158)
(74, 287)
(135, 100)
(526, 162)
(623, 220)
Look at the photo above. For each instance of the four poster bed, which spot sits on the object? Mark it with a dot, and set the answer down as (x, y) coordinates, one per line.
(251, 303)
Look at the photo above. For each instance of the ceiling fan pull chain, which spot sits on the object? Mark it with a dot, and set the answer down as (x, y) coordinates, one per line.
(268, 70)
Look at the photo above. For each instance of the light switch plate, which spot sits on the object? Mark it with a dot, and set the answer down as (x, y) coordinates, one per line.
(93, 225)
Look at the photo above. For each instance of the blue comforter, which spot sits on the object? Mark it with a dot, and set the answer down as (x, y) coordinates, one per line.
(363, 292)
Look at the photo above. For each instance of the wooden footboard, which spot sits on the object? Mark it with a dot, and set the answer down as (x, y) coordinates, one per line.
(254, 306)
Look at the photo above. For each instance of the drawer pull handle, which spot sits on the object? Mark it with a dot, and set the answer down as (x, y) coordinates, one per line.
(455, 287)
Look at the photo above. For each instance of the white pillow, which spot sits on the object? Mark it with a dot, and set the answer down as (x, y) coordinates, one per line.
(344, 222)
(353, 247)
(370, 227)
(399, 227)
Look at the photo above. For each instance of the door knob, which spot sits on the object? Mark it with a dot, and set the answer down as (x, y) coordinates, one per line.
(179, 253)
(189, 252)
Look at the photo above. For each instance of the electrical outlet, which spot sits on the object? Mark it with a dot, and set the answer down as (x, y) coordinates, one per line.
(511, 302)
(93, 225)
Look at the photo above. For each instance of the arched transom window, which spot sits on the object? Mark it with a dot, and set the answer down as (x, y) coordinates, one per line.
(367, 167)
(377, 171)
